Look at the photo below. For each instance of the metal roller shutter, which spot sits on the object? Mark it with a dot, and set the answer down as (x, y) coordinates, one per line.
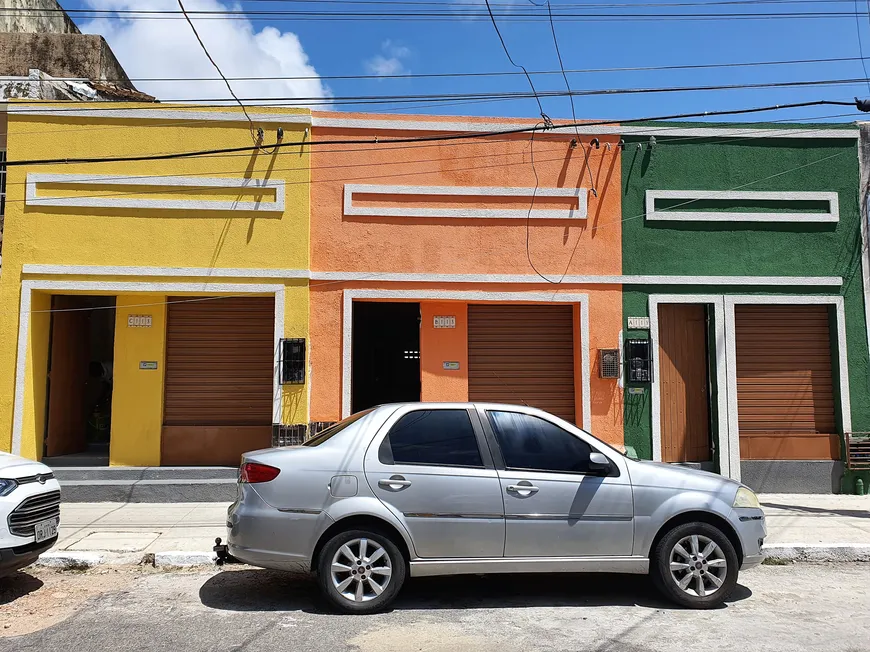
(522, 355)
(785, 393)
(218, 381)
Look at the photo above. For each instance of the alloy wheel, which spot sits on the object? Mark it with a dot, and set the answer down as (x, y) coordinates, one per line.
(361, 570)
(698, 565)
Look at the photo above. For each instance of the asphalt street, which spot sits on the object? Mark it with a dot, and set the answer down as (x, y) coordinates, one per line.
(781, 608)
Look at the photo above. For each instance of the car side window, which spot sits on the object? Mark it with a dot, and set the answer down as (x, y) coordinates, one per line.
(433, 438)
(530, 443)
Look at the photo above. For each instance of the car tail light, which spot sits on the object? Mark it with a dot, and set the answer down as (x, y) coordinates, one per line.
(252, 472)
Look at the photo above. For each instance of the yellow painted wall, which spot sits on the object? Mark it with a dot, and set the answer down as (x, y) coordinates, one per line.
(36, 375)
(294, 406)
(137, 396)
(152, 238)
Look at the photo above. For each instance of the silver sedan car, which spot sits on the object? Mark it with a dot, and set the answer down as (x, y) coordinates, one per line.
(419, 489)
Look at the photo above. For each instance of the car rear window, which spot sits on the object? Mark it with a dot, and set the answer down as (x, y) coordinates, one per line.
(333, 430)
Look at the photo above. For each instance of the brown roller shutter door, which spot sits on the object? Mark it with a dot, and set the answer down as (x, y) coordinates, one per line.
(522, 355)
(785, 393)
(218, 386)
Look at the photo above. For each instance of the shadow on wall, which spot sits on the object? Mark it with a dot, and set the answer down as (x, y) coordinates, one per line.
(604, 392)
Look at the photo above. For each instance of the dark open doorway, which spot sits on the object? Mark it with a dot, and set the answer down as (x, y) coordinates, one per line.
(80, 375)
(386, 353)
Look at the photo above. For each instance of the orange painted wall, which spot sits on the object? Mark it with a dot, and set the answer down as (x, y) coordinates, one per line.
(342, 243)
(440, 345)
(451, 245)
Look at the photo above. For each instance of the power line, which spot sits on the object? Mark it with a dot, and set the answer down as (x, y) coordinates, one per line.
(421, 139)
(861, 45)
(216, 67)
(515, 64)
(672, 139)
(430, 16)
(594, 228)
(570, 97)
(506, 73)
(499, 95)
(410, 99)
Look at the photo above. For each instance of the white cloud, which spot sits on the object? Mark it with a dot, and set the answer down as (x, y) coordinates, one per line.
(390, 62)
(398, 51)
(168, 48)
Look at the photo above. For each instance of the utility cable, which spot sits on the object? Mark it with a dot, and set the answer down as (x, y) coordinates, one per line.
(672, 140)
(516, 65)
(423, 139)
(532, 204)
(219, 71)
(861, 45)
(503, 73)
(373, 275)
(571, 98)
(439, 98)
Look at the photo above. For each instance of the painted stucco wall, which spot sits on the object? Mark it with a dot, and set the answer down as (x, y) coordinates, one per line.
(447, 245)
(145, 238)
(744, 249)
(452, 245)
(440, 345)
(137, 399)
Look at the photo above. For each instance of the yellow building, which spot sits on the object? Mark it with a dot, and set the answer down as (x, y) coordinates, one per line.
(153, 311)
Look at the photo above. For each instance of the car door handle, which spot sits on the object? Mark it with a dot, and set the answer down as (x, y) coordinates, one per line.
(522, 489)
(395, 483)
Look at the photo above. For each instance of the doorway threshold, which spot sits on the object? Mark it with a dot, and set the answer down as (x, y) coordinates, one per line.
(93, 455)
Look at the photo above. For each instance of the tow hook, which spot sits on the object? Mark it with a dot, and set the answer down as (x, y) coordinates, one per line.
(223, 554)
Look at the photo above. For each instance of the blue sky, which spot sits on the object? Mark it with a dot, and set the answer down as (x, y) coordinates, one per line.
(309, 47)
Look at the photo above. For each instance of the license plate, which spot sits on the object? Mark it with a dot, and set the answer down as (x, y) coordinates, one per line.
(45, 530)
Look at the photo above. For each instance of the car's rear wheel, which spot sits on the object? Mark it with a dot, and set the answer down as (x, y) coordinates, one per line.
(361, 571)
(695, 565)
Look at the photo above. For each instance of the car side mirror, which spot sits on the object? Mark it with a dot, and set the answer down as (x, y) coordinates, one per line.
(599, 464)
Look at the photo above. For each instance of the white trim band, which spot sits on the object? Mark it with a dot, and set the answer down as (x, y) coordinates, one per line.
(580, 194)
(160, 114)
(86, 181)
(613, 129)
(401, 277)
(689, 196)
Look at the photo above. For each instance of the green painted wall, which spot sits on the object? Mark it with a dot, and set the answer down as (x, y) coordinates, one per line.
(720, 249)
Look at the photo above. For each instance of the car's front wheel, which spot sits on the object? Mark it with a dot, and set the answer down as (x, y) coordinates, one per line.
(360, 571)
(695, 565)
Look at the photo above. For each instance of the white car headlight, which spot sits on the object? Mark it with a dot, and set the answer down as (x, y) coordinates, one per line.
(746, 498)
(7, 486)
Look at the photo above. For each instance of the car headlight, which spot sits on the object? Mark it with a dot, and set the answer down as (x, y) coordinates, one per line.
(746, 498)
(7, 487)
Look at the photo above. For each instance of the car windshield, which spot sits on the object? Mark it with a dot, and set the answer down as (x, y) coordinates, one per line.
(333, 430)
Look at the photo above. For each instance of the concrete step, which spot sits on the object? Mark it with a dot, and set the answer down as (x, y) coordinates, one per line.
(95, 484)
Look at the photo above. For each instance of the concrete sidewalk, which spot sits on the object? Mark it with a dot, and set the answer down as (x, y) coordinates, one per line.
(819, 527)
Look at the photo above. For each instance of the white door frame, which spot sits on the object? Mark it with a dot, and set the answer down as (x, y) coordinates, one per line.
(731, 350)
(726, 365)
(122, 287)
(716, 300)
(469, 297)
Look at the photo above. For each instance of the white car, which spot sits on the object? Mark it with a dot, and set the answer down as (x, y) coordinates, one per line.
(29, 511)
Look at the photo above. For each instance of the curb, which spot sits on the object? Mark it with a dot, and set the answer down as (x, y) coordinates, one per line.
(83, 560)
(818, 552)
(184, 559)
(70, 560)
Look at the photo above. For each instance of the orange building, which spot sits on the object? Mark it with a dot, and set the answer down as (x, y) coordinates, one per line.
(444, 271)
